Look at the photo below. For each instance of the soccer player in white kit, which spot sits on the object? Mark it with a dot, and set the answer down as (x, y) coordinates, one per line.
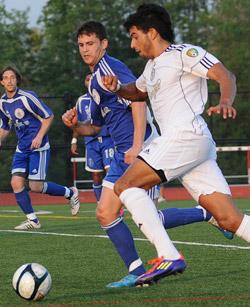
(174, 80)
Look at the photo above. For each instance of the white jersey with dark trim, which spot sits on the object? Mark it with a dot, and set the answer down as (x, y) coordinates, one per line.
(177, 88)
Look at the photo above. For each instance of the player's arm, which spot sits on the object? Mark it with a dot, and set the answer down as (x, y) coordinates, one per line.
(227, 83)
(139, 121)
(74, 143)
(128, 91)
(3, 134)
(85, 128)
(46, 123)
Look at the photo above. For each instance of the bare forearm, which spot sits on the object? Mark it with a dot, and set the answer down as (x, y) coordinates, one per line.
(226, 81)
(228, 89)
(46, 123)
(139, 120)
(86, 129)
(129, 91)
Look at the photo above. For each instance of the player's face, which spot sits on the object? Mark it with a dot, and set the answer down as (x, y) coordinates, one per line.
(9, 82)
(91, 49)
(141, 42)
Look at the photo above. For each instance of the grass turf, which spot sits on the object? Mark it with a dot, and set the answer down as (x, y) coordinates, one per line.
(81, 263)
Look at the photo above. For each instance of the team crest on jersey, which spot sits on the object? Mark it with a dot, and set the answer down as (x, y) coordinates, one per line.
(96, 96)
(192, 52)
(19, 113)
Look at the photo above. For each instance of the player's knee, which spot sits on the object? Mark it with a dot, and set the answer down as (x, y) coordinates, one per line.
(36, 186)
(16, 184)
(105, 217)
(101, 216)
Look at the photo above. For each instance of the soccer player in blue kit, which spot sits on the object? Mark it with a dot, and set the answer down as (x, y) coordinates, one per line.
(130, 131)
(99, 149)
(31, 119)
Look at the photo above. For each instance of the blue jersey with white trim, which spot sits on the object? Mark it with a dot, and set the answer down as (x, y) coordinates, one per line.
(25, 111)
(84, 113)
(108, 107)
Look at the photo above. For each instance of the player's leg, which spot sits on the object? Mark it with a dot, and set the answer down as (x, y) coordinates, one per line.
(19, 174)
(97, 184)
(208, 186)
(110, 220)
(131, 189)
(94, 165)
(107, 213)
(38, 167)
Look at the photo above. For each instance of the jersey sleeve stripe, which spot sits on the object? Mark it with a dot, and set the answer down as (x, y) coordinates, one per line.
(35, 101)
(27, 106)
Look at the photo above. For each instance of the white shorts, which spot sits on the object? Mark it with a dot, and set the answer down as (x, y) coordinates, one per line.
(189, 157)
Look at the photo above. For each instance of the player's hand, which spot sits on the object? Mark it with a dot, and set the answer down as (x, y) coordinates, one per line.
(225, 110)
(69, 118)
(131, 154)
(110, 82)
(36, 142)
(74, 149)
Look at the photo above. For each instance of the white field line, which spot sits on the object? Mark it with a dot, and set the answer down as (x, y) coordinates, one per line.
(136, 239)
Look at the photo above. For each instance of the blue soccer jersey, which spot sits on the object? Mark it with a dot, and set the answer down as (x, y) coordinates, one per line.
(25, 111)
(83, 113)
(108, 107)
(99, 148)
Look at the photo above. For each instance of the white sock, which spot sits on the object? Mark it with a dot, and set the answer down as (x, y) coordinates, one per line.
(244, 229)
(31, 216)
(146, 217)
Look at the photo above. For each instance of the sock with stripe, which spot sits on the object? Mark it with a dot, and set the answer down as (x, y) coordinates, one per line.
(174, 217)
(54, 189)
(24, 202)
(97, 190)
(123, 242)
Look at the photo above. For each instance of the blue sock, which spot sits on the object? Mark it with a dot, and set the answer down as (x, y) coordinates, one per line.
(55, 189)
(123, 241)
(24, 202)
(97, 190)
(173, 217)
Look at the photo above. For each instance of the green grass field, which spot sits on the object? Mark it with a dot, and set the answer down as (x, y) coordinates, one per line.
(82, 261)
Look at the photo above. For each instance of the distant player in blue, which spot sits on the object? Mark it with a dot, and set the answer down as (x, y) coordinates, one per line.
(99, 149)
(129, 133)
(31, 119)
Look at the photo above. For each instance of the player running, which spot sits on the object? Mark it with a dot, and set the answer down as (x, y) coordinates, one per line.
(31, 119)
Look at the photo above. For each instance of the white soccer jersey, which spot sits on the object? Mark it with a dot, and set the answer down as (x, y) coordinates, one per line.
(176, 85)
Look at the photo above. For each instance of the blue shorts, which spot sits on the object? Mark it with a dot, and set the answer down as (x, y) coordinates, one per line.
(34, 164)
(99, 154)
(117, 169)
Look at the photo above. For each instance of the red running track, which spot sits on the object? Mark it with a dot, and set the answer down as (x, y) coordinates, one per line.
(179, 193)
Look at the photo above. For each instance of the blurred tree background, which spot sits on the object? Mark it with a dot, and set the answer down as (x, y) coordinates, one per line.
(48, 59)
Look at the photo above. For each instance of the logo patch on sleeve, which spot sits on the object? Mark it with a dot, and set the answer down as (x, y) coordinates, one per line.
(192, 52)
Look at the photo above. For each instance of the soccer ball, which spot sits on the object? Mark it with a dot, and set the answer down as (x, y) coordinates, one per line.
(32, 281)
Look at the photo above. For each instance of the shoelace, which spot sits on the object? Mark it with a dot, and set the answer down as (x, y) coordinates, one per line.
(155, 262)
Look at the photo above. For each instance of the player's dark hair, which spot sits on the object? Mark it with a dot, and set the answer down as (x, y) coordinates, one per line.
(15, 71)
(92, 27)
(151, 16)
